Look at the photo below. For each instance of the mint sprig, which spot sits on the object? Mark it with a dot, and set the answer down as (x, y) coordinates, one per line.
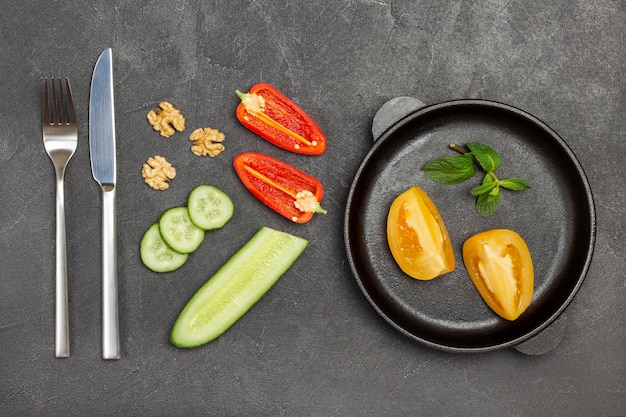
(458, 168)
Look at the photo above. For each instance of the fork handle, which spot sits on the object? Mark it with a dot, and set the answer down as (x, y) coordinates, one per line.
(62, 334)
(110, 318)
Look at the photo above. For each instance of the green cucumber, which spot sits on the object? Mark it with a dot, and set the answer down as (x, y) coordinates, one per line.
(179, 232)
(209, 207)
(236, 287)
(156, 254)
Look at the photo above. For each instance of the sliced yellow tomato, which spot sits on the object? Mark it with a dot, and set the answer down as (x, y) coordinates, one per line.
(498, 262)
(418, 237)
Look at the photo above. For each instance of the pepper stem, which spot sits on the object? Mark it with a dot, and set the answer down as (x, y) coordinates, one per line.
(242, 96)
(317, 208)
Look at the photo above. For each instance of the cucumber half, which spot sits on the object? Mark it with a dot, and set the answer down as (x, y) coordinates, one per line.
(157, 255)
(209, 207)
(236, 287)
(179, 232)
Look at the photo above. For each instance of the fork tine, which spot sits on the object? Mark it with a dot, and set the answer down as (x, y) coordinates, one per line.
(62, 120)
(53, 102)
(55, 106)
(46, 103)
(71, 112)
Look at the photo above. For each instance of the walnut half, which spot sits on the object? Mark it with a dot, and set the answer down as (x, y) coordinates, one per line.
(165, 119)
(207, 141)
(157, 172)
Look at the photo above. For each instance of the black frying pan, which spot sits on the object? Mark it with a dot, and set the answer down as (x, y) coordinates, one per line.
(556, 218)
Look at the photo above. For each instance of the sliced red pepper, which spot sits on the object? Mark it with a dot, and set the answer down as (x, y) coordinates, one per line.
(282, 187)
(271, 115)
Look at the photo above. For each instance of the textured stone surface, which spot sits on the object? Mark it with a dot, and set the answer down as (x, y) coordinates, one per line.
(312, 345)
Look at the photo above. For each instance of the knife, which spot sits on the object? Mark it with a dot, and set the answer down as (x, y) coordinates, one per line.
(102, 152)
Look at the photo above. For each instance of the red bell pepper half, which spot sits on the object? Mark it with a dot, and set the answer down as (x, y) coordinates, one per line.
(282, 187)
(271, 115)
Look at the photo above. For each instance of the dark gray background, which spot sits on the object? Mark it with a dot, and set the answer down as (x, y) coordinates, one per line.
(313, 345)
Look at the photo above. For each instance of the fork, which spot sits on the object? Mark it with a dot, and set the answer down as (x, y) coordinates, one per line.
(60, 138)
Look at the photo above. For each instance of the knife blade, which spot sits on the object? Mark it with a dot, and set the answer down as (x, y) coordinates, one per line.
(103, 167)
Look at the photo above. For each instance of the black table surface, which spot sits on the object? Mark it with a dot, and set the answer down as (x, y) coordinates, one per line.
(313, 346)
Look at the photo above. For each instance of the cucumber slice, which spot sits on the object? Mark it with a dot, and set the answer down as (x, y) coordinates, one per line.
(209, 207)
(179, 232)
(156, 254)
(236, 287)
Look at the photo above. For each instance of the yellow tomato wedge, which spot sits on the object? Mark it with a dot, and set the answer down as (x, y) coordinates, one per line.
(498, 262)
(418, 237)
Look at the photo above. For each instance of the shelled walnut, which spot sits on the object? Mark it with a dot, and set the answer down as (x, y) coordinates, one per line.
(207, 141)
(166, 118)
(157, 172)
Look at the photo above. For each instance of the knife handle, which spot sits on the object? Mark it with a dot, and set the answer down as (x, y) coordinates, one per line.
(110, 318)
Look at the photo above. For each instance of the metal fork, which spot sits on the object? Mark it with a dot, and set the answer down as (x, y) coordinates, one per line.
(60, 138)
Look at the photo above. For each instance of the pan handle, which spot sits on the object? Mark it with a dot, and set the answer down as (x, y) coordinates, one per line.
(397, 109)
(546, 340)
(393, 111)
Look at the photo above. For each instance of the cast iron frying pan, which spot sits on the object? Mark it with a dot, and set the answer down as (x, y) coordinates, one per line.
(555, 217)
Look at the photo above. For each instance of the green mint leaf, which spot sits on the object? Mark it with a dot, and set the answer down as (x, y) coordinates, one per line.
(515, 184)
(487, 204)
(486, 157)
(487, 179)
(451, 169)
(485, 187)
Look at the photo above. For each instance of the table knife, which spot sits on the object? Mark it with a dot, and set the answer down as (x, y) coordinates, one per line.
(103, 167)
